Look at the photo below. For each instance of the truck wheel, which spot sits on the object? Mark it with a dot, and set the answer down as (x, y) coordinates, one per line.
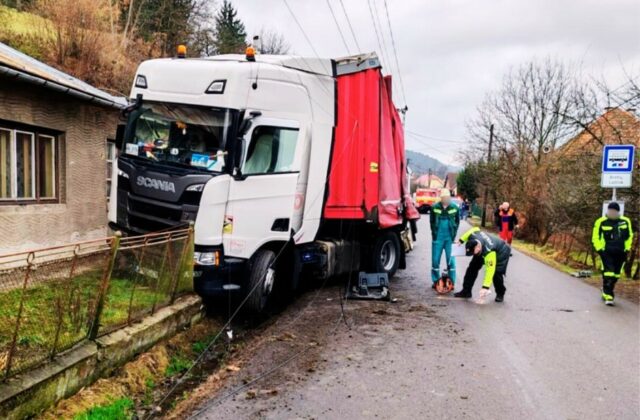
(386, 254)
(262, 276)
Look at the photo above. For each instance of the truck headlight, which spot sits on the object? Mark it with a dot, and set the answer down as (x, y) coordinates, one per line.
(196, 187)
(206, 258)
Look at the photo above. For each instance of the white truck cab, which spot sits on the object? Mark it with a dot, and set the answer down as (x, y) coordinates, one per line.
(242, 146)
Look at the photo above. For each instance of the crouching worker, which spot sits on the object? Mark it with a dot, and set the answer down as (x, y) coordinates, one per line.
(491, 252)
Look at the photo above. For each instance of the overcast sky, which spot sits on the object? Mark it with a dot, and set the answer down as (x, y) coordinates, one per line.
(453, 52)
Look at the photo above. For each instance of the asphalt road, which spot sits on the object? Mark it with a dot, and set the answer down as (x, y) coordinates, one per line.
(552, 350)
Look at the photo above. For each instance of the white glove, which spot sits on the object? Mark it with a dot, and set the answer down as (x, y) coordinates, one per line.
(484, 293)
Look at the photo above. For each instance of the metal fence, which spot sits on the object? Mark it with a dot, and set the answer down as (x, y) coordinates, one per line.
(54, 298)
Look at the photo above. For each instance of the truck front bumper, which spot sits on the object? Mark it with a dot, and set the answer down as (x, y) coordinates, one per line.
(211, 281)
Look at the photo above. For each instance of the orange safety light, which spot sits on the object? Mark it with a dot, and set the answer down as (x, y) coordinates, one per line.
(250, 53)
(182, 51)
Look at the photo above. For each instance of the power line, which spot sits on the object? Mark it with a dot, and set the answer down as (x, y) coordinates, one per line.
(375, 28)
(339, 29)
(383, 38)
(353, 33)
(304, 33)
(424, 136)
(395, 52)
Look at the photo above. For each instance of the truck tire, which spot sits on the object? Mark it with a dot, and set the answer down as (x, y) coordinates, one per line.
(262, 276)
(386, 254)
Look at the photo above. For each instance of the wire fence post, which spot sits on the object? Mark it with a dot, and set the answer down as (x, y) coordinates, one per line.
(59, 299)
(161, 273)
(182, 263)
(14, 340)
(139, 272)
(104, 285)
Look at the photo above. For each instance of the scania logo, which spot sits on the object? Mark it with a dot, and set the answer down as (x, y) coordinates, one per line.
(157, 184)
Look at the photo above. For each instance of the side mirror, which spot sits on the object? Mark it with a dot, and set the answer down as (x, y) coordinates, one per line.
(120, 129)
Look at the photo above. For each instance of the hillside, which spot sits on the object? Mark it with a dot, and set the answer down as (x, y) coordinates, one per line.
(421, 163)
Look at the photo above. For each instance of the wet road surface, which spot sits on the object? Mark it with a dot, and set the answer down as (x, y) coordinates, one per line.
(552, 350)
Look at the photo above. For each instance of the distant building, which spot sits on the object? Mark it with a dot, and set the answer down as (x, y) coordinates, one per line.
(54, 154)
(614, 126)
(429, 181)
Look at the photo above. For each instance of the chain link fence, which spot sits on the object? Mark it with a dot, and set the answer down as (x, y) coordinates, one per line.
(54, 298)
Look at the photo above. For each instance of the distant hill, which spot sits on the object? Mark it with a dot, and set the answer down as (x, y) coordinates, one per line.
(421, 163)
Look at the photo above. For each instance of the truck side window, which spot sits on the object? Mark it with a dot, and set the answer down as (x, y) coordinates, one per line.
(272, 150)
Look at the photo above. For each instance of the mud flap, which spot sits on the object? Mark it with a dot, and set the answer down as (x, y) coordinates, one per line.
(371, 286)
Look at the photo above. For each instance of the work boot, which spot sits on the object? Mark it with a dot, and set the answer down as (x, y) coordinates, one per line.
(608, 299)
(462, 294)
(500, 298)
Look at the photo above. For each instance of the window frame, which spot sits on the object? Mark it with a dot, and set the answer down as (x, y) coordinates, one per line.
(110, 161)
(35, 132)
(11, 165)
(54, 167)
(14, 163)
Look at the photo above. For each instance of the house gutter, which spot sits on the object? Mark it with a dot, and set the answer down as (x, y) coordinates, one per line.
(58, 87)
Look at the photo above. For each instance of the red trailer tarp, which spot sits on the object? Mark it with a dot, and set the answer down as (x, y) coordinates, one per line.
(367, 178)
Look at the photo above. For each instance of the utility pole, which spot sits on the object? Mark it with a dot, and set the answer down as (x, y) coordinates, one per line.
(486, 187)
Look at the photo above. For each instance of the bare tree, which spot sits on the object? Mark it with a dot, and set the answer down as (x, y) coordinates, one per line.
(529, 113)
(273, 43)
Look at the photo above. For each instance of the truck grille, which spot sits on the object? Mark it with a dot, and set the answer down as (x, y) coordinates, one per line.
(157, 210)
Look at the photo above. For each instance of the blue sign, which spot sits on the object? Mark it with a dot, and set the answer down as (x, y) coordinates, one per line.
(618, 158)
(199, 160)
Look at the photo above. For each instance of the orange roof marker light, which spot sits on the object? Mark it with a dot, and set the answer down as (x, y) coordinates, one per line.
(181, 51)
(250, 53)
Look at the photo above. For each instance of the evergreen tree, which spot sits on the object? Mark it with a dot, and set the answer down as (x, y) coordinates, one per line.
(230, 34)
(468, 182)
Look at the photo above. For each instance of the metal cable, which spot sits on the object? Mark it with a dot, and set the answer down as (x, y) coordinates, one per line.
(344, 41)
(353, 33)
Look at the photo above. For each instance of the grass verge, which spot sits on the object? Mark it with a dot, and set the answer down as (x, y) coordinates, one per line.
(146, 380)
(58, 313)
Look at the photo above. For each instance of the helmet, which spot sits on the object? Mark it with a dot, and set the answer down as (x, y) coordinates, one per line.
(444, 285)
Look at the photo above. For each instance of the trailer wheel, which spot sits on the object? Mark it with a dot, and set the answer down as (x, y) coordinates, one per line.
(262, 276)
(386, 254)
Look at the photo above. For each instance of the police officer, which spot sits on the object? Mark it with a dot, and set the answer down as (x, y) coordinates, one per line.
(491, 252)
(612, 237)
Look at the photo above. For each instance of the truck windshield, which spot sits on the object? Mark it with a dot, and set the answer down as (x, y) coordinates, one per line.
(183, 135)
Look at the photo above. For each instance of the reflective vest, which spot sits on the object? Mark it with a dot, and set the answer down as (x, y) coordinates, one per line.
(612, 234)
(438, 212)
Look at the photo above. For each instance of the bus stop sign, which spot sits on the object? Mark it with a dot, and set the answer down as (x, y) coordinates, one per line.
(617, 165)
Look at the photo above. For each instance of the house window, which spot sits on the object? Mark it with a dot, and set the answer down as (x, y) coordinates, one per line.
(110, 157)
(6, 158)
(28, 165)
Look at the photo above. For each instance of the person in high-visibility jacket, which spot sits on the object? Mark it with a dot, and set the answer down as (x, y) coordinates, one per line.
(493, 253)
(612, 237)
(445, 220)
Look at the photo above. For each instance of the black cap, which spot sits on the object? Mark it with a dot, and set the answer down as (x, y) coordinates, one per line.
(614, 206)
(470, 246)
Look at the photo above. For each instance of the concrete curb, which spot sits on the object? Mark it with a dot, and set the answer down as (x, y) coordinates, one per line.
(36, 390)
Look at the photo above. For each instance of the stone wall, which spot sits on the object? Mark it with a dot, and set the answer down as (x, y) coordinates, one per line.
(32, 392)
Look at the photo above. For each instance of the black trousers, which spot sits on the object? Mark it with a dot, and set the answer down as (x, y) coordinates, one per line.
(471, 275)
(612, 262)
